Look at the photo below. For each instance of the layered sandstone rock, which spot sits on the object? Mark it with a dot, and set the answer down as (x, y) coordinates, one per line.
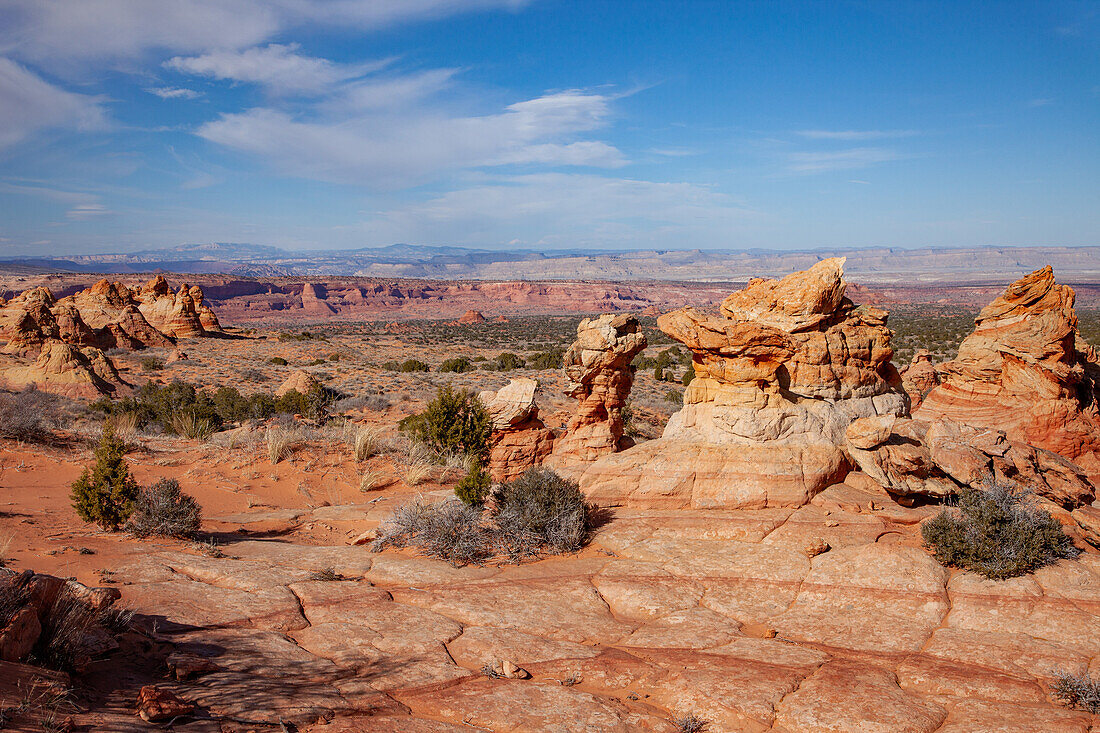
(912, 457)
(919, 377)
(519, 439)
(600, 377)
(779, 376)
(300, 381)
(66, 370)
(1025, 371)
(179, 314)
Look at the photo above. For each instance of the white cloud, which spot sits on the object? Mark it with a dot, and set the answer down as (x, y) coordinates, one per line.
(392, 92)
(58, 32)
(85, 212)
(560, 209)
(856, 134)
(401, 147)
(821, 162)
(29, 103)
(278, 67)
(174, 93)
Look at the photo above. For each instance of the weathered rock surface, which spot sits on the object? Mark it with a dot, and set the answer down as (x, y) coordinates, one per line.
(67, 370)
(180, 314)
(919, 377)
(519, 439)
(600, 377)
(779, 376)
(913, 457)
(299, 381)
(1024, 371)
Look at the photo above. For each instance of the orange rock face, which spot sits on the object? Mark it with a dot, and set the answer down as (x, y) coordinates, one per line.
(600, 377)
(181, 314)
(1020, 371)
(66, 370)
(919, 377)
(519, 439)
(779, 375)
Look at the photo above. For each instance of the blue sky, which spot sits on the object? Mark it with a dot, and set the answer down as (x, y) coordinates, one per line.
(544, 124)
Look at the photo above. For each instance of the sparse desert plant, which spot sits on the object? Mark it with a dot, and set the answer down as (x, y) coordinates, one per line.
(105, 494)
(277, 361)
(367, 443)
(449, 530)
(542, 504)
(458, 365)
(995, 533)
(29, 414)
(326, 574)
(6, 540)
(454, 421)
(473, 488)
(674, 396)
(1077, 691)
(68, 631)
(189, 425)
(151, 364)
(373, 478)
(418, 472)
(689, 724)
(125, 425)
(279, 441)
(163, 510)
(688, 375)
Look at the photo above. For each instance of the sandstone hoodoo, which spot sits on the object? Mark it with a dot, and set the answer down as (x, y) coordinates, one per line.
(519, 439)
(1024, 370)
(300, 381)
(181, 314)
(781, 372)
(597, 366)
(919, 377)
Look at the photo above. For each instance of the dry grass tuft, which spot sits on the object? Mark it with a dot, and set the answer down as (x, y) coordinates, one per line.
(367, 443)
(191, 426)
(374, 478)
(280, 443)
(418, 472)
(125, 425)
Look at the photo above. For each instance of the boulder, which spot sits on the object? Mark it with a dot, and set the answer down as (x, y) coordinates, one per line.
(600, 376)
(519, 439)
(780, 374)
(1026, 371)
(919, 377)
(300, 381)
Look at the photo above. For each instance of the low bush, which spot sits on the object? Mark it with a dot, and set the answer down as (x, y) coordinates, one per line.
(163, 510)
(106, 493)
(996, 534)
(450, 531)
(69, 631)
(688, 376)
(550, 359)
(508, 361)
(473, 488)
(29, 415)
(151, 364)
(409, 365)
(1077, 691)
(458, 365)
(542, 504)
(455, 421)
(278, 361)
(674, 396)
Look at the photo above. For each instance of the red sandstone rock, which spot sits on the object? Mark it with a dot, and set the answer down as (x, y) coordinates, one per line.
(156, 704)
(180, 314)
(470, 317)
(919, 377)
(1021, 371)
(66, 370)
(779, 375)
(600, 377)
(519, 439)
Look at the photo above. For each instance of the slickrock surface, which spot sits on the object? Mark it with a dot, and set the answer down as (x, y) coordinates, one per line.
(519, 439)
(779, 375)
(720, 614)
(600, 376)
(1021, 371)
(913, 457)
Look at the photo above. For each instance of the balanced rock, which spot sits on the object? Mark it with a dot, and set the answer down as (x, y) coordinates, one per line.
(600, 376)
(1024, 370)
(780, 373)
(519, 439)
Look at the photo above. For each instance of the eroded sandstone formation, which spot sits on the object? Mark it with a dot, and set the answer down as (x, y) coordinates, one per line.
(911, 457)
(181, 314)
(67, 370)
(781, 372)
(600, 377)
(1025, 371)
(919, 377)
(519, 439)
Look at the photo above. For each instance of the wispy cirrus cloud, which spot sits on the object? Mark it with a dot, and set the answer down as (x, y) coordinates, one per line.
(855, 134)
(29, 103)
(174, 92)
(834, 160)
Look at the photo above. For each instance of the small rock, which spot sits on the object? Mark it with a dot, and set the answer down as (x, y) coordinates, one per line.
(155, 704)
(816, 548)
(369, 536)
(184, 666)
(513, 671)
(831, 523)
(759, 631)
(872, 506)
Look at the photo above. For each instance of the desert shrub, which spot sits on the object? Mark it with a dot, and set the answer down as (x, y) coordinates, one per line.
(280, 443)
(13, 597)
(674, 396)
(689, 724)
(688, 375)
(409, 365)
(367, 442)
(455, 421)
(106, 493)
(163, 510)
(188, 425)
(450, 531)
(550, 359)
(630, 427)
(151, 364)
(254, 375)
(375, 402)
(508, 361)
(473, 488)
(29, 414)
(1077, 691)
(543, 505)
(278, 361)
(302, 336)
(458, 364)
(996, 534)
(317, 362)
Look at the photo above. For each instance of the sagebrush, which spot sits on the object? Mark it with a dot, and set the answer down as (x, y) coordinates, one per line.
(995, 533)
(164, 510)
